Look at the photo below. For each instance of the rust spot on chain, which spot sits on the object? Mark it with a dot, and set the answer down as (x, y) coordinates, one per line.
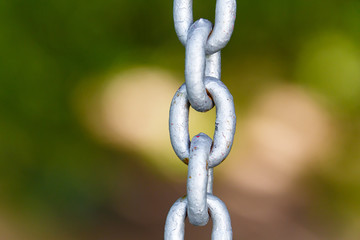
(208, 93)
(210, 33)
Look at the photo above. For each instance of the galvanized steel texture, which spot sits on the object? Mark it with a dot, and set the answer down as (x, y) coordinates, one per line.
(210, 174)
(175, 221)
(225, 15)
(175, 226)
(213, 65)
(183, 18)
(179, 124)
(195, 65)
(197, 180)
(225, 122)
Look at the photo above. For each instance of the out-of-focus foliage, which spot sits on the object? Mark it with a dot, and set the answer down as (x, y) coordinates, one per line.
(52, 168)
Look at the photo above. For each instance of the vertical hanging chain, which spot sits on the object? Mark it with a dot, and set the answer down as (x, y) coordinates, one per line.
(202, 91)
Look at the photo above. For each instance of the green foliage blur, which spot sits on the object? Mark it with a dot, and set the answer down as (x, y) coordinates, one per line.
(50, 166)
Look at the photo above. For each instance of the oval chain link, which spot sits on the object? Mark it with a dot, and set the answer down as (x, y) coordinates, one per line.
(225, 15)
(225, 122)
(198, 180)
(175, 221)
(195, 61)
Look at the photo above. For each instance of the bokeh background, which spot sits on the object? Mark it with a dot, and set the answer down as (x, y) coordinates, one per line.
(85, 89)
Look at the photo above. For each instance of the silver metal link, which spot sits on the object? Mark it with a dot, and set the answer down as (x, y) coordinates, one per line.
(175, 221)
(198, 180)
(198, 65)
(183, 18)
(225, 15)
(221, 219)
(195, 65)
(179, 124)
(225, 122)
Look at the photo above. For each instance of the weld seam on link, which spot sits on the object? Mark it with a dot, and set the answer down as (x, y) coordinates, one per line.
(213, 65)
(175, 221)
(225, 122)
(210, 175)
(198, 180)
(225, 15)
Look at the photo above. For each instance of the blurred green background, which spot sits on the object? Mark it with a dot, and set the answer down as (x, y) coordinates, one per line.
(85, 88)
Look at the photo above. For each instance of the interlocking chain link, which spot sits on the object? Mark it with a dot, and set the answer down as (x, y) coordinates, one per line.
(225, 14)
(202, 91)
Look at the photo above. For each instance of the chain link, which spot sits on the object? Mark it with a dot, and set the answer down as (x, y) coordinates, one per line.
(175, 221)
(202, 90)
(225, 122)
(198, 180)
(225, 15)
(195, 65)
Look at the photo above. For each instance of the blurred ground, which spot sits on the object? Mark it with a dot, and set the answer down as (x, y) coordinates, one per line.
(85, 90)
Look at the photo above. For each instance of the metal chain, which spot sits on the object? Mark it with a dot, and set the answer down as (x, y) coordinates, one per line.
(202, 90)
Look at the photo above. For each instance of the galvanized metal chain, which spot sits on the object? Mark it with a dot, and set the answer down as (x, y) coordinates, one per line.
(202, 91)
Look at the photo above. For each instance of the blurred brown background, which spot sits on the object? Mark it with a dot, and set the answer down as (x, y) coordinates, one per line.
(85, 89)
